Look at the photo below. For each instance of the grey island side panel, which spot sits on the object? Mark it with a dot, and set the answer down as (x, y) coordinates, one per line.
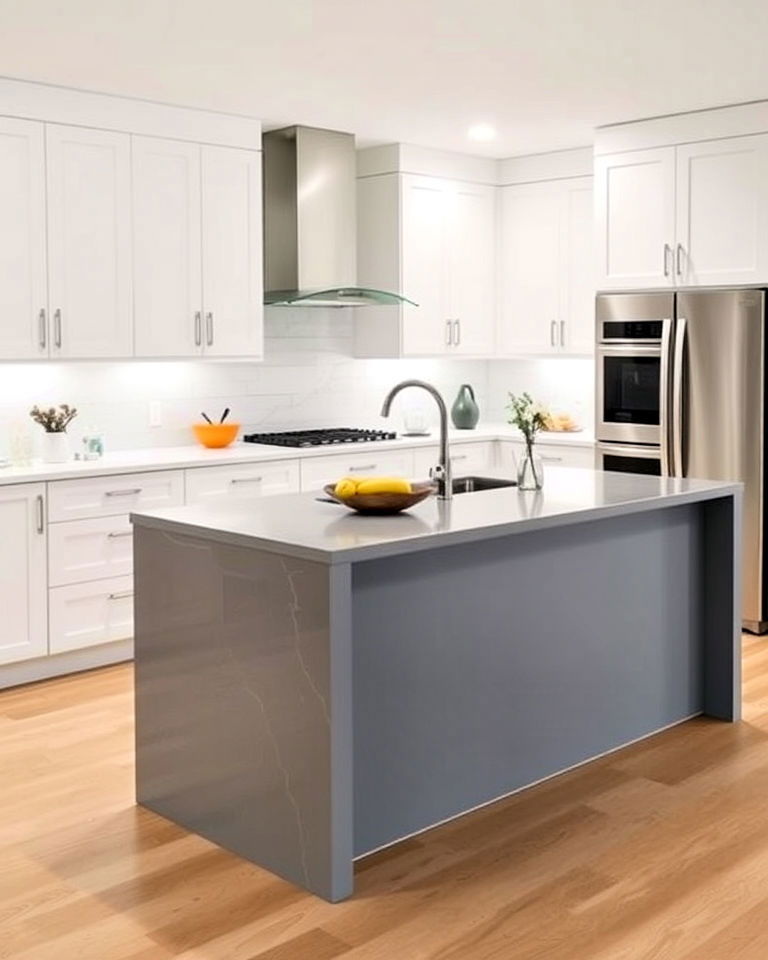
(243, 703)
(487, 667)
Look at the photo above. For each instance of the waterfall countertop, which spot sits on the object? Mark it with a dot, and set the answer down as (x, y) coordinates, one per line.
(300, 525)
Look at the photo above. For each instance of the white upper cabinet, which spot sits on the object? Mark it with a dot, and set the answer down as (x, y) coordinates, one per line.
(433, 240)
(89, 242)
(425, 253)
(472, 268)
(546, 268)
(530, 268)
(577, 336)
(168, 291)
(23, 279)
(23, 572)
(635, 219)
(722, 212)
(232, 252)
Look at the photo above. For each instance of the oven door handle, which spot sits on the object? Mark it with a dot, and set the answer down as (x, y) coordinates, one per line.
(665, 387)
(677, 422)
(629, 450)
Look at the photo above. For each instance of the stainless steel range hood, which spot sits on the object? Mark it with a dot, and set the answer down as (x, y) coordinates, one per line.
(310, 256)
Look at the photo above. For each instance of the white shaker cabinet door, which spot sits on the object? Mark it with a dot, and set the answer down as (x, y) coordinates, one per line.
(472, 268)
(722, 212)
(167, 266)
(635, 219)
(23, 280)
(232, 259)
(427, 329)
(529, 266)
(23, 573)
(89, 242)
(577, 334)
(89, 614)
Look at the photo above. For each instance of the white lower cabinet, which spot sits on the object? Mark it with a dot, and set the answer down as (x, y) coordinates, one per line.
(466, 459)
(116, 495)
(206, 484)
(94, 549)
(88, 614)
(554, 454)
(317, 471)
(23, 580)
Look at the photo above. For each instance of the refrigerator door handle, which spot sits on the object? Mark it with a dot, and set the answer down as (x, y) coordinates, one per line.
(667, 468)
(678, 370)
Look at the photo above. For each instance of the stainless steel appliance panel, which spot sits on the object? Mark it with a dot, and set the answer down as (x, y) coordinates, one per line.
(629, 458)
(634, 333)
(717, 412)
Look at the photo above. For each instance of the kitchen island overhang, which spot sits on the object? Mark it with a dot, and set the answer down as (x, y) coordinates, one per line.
(312, 685)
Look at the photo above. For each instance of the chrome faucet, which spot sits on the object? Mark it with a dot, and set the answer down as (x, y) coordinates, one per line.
(441, 473)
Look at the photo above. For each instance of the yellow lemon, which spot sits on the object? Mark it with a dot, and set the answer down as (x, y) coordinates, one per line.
(384, 485)
(346, 487)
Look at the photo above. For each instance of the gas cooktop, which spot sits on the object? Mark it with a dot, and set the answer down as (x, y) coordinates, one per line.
(319, 438)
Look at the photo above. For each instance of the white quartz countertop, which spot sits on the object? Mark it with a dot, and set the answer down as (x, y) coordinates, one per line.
(185, 457)
(300, 525)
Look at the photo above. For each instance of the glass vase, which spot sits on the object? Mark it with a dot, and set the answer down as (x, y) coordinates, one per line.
(530, 470)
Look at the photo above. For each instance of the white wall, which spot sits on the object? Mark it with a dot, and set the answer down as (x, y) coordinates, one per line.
(309, 378)
(564, 384)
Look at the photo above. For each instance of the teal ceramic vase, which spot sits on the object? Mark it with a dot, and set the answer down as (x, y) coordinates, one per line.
(465, 412)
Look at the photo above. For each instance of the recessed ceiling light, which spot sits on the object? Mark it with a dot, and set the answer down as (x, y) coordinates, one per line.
(481, 131)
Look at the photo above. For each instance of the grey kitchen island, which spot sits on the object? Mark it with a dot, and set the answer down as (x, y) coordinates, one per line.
(312, 685)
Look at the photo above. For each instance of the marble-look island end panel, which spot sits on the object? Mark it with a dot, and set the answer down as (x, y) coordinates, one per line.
(234, 716)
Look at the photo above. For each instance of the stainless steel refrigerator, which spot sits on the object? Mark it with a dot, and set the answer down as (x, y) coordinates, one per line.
(681, 392)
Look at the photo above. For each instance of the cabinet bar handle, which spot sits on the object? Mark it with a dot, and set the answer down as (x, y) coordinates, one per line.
(198, 329)
(549, 459)
(459, 456)
(562, 333)
(41, 330)
(679, 259)
(40, 508)
(457, 331)
(667, 254)
(553, 333)
(124, 595)
(448, 333)
(209, 329)
(57, 328)
(246, 480)
(366, 466)
(115, 534)
(134, 491)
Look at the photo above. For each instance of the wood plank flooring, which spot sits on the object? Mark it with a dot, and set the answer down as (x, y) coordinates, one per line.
(659, 852)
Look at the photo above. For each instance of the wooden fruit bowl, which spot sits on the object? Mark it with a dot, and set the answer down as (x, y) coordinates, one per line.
(383, 502)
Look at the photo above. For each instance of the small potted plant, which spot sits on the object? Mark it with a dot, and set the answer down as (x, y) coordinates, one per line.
(529, 418)
(56, 448)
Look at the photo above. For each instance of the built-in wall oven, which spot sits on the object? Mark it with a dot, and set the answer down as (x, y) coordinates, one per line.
(633, 347)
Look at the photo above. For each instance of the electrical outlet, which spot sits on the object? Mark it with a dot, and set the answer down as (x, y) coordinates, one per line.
(155, 413)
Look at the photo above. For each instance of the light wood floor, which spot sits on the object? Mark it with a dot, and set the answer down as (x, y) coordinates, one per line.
(660, 852)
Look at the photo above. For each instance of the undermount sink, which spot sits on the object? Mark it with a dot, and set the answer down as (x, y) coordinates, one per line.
(476, 484)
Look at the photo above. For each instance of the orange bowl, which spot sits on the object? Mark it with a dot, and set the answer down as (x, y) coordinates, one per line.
(215, 435)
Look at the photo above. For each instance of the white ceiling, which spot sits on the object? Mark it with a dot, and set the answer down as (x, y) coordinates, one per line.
(544, 72)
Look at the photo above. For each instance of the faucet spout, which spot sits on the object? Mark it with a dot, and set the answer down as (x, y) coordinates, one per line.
(441, 473)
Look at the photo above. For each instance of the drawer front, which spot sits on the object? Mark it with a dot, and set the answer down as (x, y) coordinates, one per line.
(558, 455)
(93, 549)
(88, 614)
(206, 484)
(112, 496)
(318, 471)
(466, 459)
